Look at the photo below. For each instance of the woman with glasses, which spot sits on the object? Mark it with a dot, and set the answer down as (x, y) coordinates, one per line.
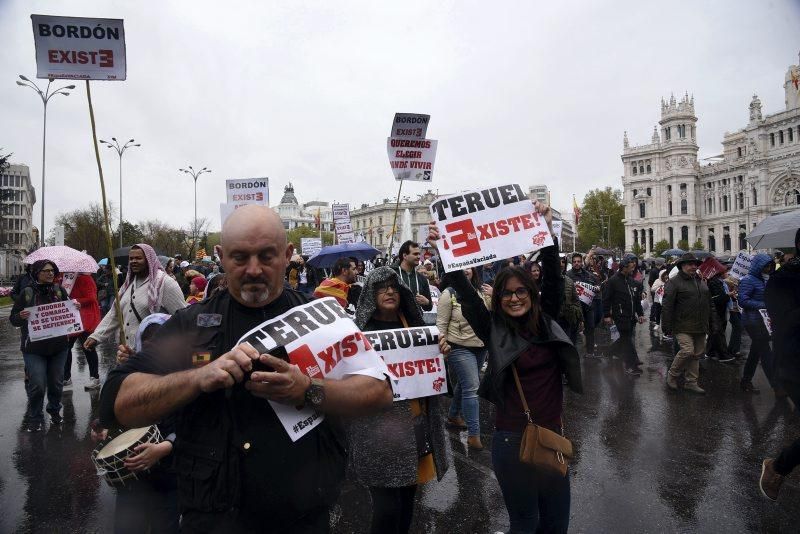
(44, 359)
(392, 452)
(520, 331)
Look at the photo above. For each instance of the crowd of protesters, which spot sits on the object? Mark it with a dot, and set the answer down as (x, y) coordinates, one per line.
(526, 320)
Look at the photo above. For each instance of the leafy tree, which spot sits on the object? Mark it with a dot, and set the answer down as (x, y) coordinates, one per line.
(164, 237)
(660, 247)
(295, 234)
(131, 234)
(601, 219)
(84, 229)
(683, 244)
(698, 245)
(637, 249)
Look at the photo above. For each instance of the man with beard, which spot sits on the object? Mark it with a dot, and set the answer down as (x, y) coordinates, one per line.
(580, 274)
(238, 470)
(407, 269)
(340, 285)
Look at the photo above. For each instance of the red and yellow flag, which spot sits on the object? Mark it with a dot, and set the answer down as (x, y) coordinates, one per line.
(576, 210)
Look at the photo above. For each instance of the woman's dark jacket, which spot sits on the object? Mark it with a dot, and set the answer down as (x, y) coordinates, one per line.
(34, 295)
(504, 346)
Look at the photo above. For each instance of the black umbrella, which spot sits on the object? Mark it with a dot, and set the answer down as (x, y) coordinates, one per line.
(700, 254)
(602, 251)
(673, 252)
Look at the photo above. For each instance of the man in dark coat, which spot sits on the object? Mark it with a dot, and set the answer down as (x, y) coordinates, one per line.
(622, 304)
(782, 297)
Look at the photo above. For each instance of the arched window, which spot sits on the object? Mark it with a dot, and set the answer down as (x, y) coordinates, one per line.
(684, 233)
(650, 238)
(649, 169)
(636, 237)
(669, 206)
(792, 198)
(671, 237)
(726, 238)
(755, 197)
(725, 203)
(741, 200)
(641, 210)
(742, 237)
(641, 168)
(634, 168)
(684, 207)
(712, 243)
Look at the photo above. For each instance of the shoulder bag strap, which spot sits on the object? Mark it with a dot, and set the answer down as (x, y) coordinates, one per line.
(402, 319)
(521, 394)
(133, 308)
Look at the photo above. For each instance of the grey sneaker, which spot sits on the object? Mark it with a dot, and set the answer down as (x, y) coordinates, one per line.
(694, 388)
(94, 383)
(67, 385)
(770, 482)
(671, 383)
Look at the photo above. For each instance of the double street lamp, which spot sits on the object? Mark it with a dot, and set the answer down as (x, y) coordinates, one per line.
(194, 174)
(120, 150)
(45, 96)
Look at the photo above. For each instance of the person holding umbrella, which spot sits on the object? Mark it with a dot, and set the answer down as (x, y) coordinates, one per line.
(44, 359)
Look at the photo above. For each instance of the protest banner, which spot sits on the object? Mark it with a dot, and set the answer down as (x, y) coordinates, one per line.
(586, 292)
(248, 191)
(310, 246)
(412, 159)
(477, 227)
(324, 342)
(658, 298)
(79, 48)
(68, 281)
(710, 268)
(54, 320)
(412, 356)
(767, 320)
(341, 223)
(741, 266)
(409, 126)
(557, 226)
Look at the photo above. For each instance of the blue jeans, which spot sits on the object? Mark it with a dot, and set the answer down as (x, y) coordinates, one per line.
(465, 364)
(536, 501)
(45, 373)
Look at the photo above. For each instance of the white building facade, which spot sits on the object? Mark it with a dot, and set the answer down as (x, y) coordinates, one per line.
(17, 197)
(295, 215)
(669, 195)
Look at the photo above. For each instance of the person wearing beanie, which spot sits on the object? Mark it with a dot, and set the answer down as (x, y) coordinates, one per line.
(622, 305)
(196, 288)
(44, 359)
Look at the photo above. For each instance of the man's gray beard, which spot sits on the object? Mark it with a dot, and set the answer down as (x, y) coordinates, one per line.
(249, 297)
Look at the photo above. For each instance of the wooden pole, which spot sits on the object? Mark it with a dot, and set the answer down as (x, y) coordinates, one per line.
(394, 223)
(110, 247)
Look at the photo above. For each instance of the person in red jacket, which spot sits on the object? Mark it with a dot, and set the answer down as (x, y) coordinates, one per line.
(84, 291)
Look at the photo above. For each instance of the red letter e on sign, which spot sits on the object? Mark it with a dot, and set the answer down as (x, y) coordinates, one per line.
(464, 233)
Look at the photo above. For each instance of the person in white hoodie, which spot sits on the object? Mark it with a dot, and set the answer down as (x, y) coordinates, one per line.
(657, 290)
(156, 292)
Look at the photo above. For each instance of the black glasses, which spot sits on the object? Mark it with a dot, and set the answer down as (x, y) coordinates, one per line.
(521, 293)
(47, 271)
(384, 288)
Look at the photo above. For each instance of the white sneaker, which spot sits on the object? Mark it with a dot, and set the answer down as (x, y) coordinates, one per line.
(94, 383)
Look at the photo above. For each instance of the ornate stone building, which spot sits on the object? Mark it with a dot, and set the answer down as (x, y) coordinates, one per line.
(294, 215)
(373, 223)
(669, 195)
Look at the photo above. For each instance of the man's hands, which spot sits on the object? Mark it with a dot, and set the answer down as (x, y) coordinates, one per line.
(123, 353)
(421, 299)
(487, 289)
(444, 346)
(226, 370)
(286, 385)
(90, 343)
(545, 211)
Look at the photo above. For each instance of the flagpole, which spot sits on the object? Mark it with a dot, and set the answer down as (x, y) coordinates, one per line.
(394, 223)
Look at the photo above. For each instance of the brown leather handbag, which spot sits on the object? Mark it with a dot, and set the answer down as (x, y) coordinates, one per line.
(541, 447)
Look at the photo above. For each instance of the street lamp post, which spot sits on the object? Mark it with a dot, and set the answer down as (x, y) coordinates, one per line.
(195, 174)
(45, 96)
(120, 150)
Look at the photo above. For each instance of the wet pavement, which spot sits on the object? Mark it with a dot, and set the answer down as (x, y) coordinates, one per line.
(648, 459)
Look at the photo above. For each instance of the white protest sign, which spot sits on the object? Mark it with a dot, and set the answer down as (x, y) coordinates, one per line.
(557, 226)
(310, 246)
(767, 320)
(659, 296)
(68, 281)
(53, 320)
(586, 292)
(411, 159)
(741, 266)
(321, 339)
(341, 222)
(477, 228)
(248, 191)
(412, 356)
(409, 126)
(79, 48)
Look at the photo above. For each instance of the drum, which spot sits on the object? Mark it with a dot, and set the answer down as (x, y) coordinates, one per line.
(109, 457)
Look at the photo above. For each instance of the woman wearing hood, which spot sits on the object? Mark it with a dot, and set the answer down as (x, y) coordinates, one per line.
(658, 285)
(394, 451)
(751, 299)
(44, 359)
(525, 341)
(147, 289)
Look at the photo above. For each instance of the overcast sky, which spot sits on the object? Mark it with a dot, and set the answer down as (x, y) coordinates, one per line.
(526, 92)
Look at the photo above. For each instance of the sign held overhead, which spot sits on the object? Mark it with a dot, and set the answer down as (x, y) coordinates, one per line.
(78, 48)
